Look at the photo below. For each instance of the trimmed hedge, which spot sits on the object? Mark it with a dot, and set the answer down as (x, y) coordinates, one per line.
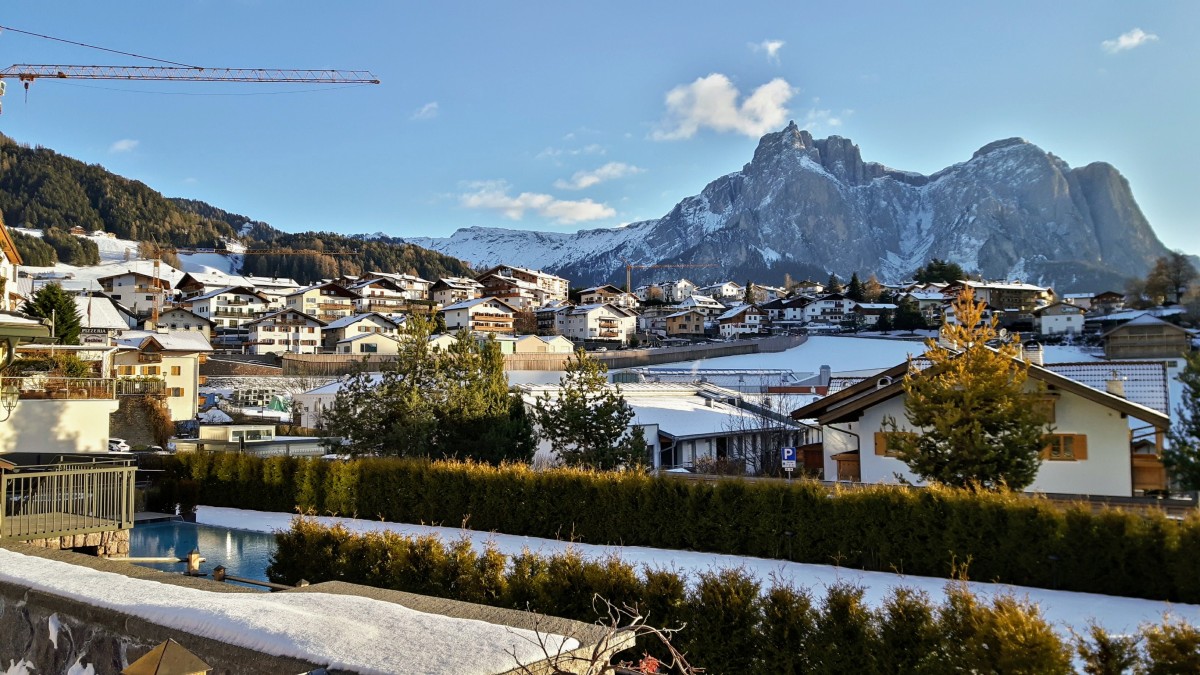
(732, 623)
(1006, 538)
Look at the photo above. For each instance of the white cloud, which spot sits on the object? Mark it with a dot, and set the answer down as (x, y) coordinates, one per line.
(770, 48)
(590, 149)
(493, 196)
(819, 118)
(123, 145)
(586, 179)
(426, 112)
(712, 102)
(1133, 39)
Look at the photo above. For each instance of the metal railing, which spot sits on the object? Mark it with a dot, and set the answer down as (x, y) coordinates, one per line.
(52, 386)
(54, 500)
(141, 387)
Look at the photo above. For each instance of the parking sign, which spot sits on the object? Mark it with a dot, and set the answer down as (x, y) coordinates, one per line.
(787, 457)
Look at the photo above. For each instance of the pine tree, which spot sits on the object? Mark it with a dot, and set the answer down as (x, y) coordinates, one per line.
(1182, 459)
(834, 285)
(855, 290)
(588, 423)
(52, 302)
(748, 294)
(980, 426)
(908, 315)
(884, 324)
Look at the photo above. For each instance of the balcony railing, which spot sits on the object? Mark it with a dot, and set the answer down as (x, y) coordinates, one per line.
(54, 500)
(50, 386)
(141, 387)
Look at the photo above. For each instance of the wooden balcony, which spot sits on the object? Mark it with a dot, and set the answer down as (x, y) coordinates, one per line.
(72, 496)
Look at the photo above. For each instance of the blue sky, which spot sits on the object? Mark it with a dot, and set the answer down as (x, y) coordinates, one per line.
(560, 115)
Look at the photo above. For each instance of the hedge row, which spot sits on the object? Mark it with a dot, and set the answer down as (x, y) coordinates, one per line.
(930, 532)
(732, 622)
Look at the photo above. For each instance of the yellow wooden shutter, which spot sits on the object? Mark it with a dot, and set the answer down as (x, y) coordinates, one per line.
(881, 441)
(1080, 446)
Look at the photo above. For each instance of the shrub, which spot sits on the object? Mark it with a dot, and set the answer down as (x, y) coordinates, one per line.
(1004, 537)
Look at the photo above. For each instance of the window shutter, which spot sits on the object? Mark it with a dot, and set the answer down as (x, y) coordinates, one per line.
(1048, 440)
(1081, 446)
(881, 443)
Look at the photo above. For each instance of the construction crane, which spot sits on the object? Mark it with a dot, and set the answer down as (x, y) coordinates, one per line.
(629, 267)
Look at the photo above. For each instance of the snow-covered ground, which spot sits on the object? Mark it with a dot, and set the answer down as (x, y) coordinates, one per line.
(852, 353)
(1062, 608)
(340, 631)
(121, 251)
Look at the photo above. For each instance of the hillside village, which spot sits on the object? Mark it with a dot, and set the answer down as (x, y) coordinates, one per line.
(148, 328)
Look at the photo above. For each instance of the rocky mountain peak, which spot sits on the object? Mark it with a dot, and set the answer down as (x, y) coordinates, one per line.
(1000, 145)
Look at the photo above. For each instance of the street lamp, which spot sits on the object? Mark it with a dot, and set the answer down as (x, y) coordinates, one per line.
(9, 395)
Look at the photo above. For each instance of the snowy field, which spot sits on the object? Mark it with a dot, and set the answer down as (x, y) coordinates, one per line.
(851, 353)
(1064, 609)
(339, 631)
(118, 254)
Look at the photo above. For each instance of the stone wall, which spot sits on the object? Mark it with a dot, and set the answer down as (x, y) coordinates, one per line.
(103, 544)
(42, 632)
(131, 421)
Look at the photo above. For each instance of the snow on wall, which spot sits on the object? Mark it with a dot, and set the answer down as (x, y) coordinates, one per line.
(340, 631)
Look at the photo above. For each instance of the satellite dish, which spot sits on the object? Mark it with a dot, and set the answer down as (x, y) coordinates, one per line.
(1003, 333)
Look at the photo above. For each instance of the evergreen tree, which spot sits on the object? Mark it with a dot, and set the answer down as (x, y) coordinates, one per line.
(588, 423)
(1182, 459)
(52, 302)
(979, 425)
(34, 251)
(430, 403)
(748, 294)
(855, 290)
(884, 324)
(834, 285)
(938, 270)
(908, 315)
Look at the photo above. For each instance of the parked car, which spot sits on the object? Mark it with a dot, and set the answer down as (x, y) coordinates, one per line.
(117, 445)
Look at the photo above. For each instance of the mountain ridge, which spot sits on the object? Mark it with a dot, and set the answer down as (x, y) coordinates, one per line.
(808, 206)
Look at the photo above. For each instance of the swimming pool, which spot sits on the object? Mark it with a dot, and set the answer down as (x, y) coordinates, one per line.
(242, 552)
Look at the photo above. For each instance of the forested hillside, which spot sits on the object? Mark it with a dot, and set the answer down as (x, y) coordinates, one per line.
(42, 189)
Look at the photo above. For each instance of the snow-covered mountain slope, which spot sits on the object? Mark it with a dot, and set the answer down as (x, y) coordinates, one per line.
(118, 255)
(808, 207)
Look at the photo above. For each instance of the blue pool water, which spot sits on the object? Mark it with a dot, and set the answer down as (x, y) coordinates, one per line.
(242, 552)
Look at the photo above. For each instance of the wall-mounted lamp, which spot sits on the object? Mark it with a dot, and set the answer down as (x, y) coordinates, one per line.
(9, 395)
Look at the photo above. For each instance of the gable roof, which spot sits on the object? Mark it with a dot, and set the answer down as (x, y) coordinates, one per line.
(276, 313)
(175, 341)
(8, 245)
(241, 290)
(338, 290)
(185, 311)
(1146, 319)
(847, 403)
(466, 304)
(355, 318)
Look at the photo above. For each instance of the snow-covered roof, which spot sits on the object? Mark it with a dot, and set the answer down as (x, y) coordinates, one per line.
(277, 313)
(99, 312)
(173, 341)
(466, 304)
(355, 318)
(360, 336)
(238, 290)
(679, 314)
(875, 305)
(1144, 382)
(460, 282)
(735, 310)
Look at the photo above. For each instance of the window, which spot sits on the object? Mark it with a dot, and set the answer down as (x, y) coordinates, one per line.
(884, 441)
(1065, 447)
(126, 370)
(176, 391)
(149, 370)
(175, 370)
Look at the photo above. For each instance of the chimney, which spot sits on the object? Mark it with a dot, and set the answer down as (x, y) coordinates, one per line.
(1115, 385)
(1033, 353)
(826, 376)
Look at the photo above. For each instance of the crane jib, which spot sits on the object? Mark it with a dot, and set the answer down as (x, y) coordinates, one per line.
(29, 72)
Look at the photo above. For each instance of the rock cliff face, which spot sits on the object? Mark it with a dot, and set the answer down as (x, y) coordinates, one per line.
(810, 206)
